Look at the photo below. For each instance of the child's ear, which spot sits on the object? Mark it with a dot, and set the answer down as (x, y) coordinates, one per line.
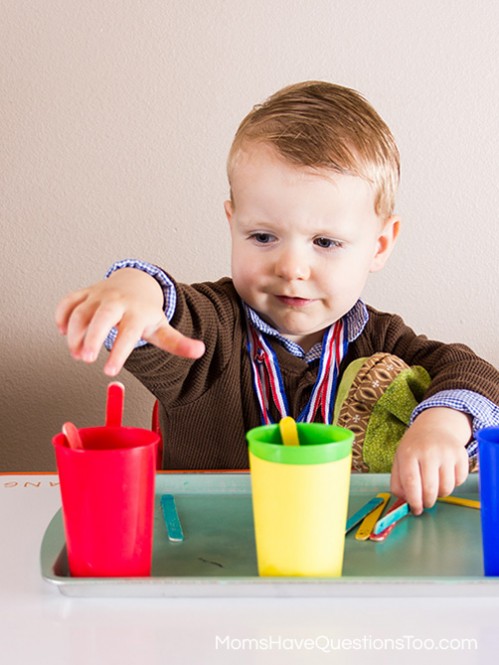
(385, 242)
(229, 209)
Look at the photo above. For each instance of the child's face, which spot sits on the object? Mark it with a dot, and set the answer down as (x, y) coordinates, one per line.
(303, 241)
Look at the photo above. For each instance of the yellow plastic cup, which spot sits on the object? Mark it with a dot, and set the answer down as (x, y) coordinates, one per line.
(300, 499)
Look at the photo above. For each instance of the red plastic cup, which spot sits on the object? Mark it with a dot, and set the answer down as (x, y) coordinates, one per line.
(107, 492)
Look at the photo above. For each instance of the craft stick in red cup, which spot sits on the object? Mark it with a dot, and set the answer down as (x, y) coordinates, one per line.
(114, 404)
(72, 435)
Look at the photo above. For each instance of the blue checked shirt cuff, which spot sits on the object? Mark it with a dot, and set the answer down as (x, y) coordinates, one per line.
(484, 412)
(169, 292)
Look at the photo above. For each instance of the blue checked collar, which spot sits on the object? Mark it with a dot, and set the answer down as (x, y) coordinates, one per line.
(356, 320)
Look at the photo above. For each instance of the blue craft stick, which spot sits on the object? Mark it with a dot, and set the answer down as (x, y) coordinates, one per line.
(172, 521)
(360, 514)
(390, 518)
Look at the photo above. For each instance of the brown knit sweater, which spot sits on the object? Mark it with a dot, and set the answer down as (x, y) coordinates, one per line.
(207, 405)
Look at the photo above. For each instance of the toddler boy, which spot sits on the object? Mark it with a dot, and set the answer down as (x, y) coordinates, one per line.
(313, 173)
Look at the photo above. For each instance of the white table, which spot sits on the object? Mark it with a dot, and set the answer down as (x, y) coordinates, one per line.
(39, 625)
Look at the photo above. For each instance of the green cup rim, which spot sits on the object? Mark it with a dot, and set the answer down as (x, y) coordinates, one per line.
(319, 443)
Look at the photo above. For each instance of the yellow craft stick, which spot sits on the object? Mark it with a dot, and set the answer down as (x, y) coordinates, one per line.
(366, 527)
(289, 431)
(458, 501)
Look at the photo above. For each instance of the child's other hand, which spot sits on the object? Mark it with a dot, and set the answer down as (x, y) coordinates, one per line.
(431, 459)
(132, 301)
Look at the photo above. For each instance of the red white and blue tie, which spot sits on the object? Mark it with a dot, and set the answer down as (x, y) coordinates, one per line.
(269, 385)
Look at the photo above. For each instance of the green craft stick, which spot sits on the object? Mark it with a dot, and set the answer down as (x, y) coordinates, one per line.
(172, 520)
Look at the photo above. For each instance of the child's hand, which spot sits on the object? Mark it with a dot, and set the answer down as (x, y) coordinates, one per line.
(132, 301)
(431, 458)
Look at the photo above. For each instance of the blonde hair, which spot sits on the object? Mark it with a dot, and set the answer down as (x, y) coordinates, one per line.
(323, 125)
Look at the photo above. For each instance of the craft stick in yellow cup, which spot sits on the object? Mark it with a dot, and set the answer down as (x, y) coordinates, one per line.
(300, 498)
(289, 431)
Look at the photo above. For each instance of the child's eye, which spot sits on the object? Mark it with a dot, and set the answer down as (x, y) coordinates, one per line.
(262, 238)
(327, 243)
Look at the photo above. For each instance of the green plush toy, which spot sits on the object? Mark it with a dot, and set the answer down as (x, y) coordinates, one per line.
(375, 399)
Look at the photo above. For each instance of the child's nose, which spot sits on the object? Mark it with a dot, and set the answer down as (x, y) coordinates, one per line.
(291, 264)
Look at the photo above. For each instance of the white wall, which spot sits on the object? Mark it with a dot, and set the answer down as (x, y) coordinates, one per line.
(115, 120)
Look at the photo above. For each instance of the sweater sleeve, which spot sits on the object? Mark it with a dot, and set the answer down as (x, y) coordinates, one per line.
(451, 366)
(207, 311)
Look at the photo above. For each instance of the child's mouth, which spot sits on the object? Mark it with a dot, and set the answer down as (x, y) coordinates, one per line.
(293, 302)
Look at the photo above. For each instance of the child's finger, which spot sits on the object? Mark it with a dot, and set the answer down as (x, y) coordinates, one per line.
(395, 485)
(124, 344)
(65, 308)
(447, 479)
(462, 469)
(412, 486)
(429, 471)
(104, 318)
(431, 479)
(453, 473)
(77, 326)
(169, 339)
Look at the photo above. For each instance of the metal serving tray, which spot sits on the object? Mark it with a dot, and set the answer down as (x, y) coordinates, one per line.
(436, 554)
